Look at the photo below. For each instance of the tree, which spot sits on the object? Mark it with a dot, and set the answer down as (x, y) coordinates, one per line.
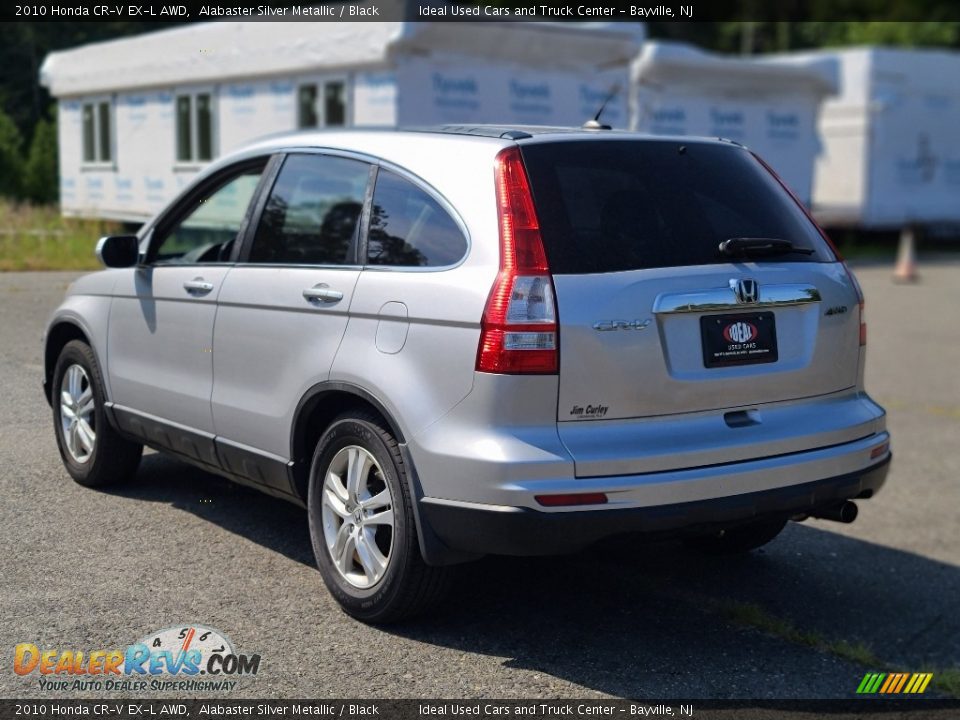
(753, 37)
(11, 161)
(40, 174)
(900, 34)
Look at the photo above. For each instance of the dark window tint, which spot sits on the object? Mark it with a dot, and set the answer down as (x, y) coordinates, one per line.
(410, 228)
(97, 133)
(89, 134)
(106, 147)
(204, 127)
(622, 205)
(307, 107)
(184, 139)
(313, 211)
(207, 227)
(334, 104)
(195, 131)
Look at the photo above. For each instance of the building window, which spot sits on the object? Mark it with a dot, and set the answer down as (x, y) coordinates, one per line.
(322, 104)
(97, 132)
(307, 107)
(195, 135)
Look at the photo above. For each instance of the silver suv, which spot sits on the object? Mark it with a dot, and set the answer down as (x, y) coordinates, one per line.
(468, 340)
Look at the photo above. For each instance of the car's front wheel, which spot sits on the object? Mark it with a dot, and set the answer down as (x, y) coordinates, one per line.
(362, 525)
(92, 451)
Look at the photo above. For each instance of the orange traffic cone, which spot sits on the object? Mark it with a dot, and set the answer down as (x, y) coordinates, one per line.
(906, 268)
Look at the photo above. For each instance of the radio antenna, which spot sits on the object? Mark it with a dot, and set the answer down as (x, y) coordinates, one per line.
(594, 123)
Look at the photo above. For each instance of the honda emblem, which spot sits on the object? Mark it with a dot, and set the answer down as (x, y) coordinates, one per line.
(746, 290)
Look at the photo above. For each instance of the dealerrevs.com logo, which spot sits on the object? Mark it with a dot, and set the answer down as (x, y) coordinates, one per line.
(183, 658)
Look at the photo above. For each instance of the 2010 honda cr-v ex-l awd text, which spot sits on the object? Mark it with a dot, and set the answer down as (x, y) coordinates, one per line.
(463, 341)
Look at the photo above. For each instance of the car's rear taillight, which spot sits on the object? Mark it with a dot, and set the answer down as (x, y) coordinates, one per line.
(518, 332)
(856, 286)
(826, 238)
(860, 302)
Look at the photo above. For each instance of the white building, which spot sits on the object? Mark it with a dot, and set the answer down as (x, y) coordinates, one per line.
(891, 137)
(771, 108)
(138, 117)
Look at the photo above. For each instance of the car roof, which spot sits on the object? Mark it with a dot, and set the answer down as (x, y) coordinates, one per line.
(494, 134)
(436, 154)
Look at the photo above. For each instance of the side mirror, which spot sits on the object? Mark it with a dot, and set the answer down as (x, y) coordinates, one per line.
(119, 251)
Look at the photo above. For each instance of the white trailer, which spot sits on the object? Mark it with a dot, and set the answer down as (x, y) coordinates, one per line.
(677, 89)
(891, 138)
(138, 117)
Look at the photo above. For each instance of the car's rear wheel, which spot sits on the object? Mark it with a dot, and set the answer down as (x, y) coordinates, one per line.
(362, 525)
(92, 451)
(739, 539)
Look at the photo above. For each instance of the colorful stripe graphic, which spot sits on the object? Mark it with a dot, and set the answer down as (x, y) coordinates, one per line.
(894, 683)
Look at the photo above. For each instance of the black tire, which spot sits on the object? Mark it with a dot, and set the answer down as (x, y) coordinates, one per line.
(739, 539)
(113, 459)
(408, 586)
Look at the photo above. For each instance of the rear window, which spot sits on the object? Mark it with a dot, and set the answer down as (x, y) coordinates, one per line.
(607, 206)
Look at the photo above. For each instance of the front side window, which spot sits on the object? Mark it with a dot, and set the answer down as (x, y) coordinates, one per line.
(97, 132)
(207, 228)
(313, 212)
(408, 228)
(195, 132)
(322, 104)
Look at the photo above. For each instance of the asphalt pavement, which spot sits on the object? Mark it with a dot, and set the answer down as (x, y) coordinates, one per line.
(805, 617)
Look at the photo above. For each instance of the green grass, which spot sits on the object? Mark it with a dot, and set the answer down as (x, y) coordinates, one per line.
(36, 237)
(946, 680)
(754, 616)
(854, 652)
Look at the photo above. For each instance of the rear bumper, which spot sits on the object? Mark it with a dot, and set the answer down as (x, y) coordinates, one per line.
(479, 529)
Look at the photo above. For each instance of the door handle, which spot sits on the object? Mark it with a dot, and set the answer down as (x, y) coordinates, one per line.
(323, 293)
(198, 285)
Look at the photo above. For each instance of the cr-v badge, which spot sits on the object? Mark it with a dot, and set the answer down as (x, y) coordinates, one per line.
(621, 325)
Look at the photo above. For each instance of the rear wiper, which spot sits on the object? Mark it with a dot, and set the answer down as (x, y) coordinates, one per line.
(741, 246)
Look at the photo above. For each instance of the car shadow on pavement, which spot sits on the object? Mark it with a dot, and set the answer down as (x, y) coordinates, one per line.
(811, 609)
(271, 522)
(799, 618)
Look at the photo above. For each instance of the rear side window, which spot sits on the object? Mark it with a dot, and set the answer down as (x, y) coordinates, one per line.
(607, 206)
(408, 228)
(312, 215)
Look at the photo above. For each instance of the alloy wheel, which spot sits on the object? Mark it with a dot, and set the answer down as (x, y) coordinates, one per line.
(77, 418)
(357, 516)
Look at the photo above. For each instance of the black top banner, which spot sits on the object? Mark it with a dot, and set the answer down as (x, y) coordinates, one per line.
(483, 709)
(494, 11)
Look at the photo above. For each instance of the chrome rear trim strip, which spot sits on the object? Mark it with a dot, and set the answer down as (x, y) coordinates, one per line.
(724, 299)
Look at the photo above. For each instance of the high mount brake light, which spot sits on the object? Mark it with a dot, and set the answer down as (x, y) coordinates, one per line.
(519, 326)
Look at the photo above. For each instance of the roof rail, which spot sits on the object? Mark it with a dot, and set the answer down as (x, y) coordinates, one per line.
(492, 131)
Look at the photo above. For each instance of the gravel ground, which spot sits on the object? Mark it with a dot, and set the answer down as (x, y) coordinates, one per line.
(88, 570)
